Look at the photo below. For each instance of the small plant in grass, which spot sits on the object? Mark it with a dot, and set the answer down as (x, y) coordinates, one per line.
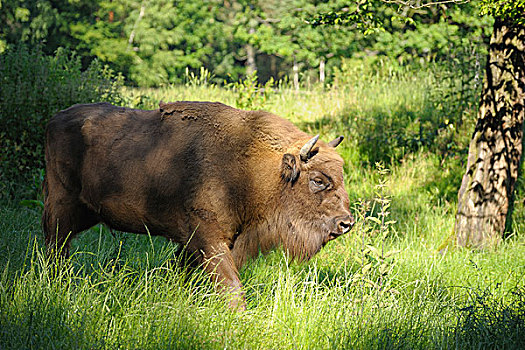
(374, 263)
(250, 94)
(203, 78)
(35, 192)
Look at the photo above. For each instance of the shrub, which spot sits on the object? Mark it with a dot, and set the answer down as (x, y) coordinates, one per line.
(406, 110)
(33, 88)
(250, 94)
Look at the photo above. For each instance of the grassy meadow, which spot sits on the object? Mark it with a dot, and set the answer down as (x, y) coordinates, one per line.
(396, 284)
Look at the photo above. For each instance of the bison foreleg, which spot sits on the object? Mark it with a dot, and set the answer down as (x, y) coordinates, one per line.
(218, 261)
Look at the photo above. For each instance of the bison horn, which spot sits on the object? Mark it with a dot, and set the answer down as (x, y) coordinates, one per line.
(305, 150)
(335, 142)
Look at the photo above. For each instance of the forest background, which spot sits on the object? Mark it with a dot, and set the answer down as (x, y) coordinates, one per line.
(401, 84)
(155, 42)
(159, 43)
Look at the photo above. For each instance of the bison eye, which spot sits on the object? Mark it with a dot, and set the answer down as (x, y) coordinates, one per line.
(319, 181)
(317, 184)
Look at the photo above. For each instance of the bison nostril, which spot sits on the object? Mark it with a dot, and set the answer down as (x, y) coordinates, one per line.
(345, 225)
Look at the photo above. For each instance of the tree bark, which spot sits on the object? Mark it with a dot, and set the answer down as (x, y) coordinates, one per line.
(251, 66)
(141, 14)
(321, 70)
(496, 146)
(295, 69)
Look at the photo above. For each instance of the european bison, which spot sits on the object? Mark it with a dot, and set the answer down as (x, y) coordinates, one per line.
(223, 182)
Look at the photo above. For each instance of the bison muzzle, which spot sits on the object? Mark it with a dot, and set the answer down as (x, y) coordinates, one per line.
(222, 182)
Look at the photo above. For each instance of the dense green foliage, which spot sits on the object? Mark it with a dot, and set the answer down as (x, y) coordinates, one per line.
(513, 10)
(33, 88)
(154, 42)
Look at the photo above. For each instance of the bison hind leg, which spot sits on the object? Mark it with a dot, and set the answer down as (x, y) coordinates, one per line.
(62, 220)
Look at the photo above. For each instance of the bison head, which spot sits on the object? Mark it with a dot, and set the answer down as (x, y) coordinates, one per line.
(315, 205)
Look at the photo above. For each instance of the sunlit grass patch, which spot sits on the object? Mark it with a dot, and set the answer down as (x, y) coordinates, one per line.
(140, 299)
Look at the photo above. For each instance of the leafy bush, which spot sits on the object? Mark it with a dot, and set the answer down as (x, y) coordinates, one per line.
(395, 122)
(34, 88)
(432, 108)
(250, 94)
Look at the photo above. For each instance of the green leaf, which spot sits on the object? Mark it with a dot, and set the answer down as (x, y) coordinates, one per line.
(372, 284)
(358, 260)
(373, 250)
(391, 253)
(366, 268)
(374, 219)
(394, 291)
(22, 14)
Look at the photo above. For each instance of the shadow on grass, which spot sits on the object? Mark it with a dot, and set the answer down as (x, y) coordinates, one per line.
(382, 133)
(486, 322)
(491, 322)
(21, 232)
(40, 323)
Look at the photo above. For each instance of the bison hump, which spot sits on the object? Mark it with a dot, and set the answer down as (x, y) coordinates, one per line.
(191, 110)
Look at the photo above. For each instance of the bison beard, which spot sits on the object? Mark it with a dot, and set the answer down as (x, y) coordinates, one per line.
(222, 182)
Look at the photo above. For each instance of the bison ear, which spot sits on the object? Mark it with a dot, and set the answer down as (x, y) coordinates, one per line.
(289, 170)
(162, 106)
(335, 142)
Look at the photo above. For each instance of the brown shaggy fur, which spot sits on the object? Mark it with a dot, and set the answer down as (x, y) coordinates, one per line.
(225, 183)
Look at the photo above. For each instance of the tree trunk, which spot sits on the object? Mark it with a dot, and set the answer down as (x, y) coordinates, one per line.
(496, 146)
(251, 66)
(321, 70)
(141, 14)
(295, 69)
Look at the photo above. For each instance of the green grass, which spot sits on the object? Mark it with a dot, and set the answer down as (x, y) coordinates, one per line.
(126, 291)
(130, 295)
